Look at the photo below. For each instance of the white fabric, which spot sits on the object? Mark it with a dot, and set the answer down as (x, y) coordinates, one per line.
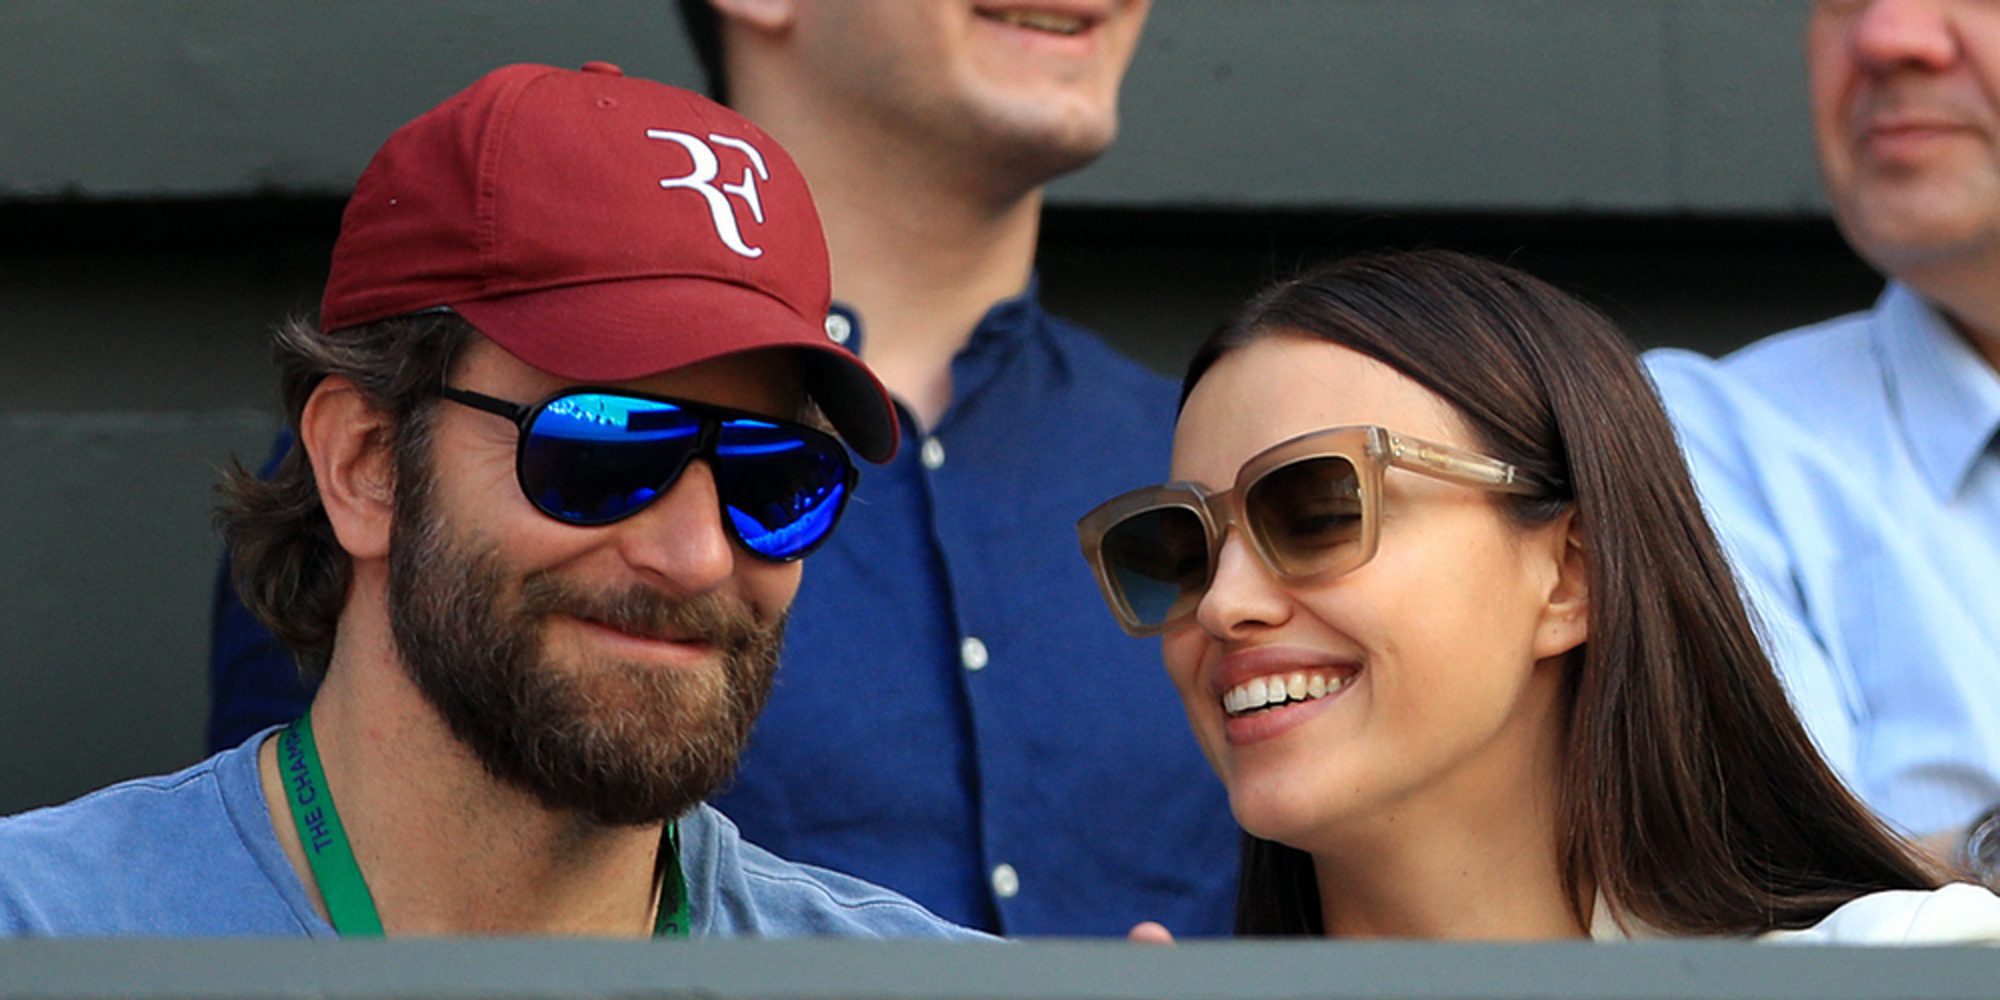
(1959, 913)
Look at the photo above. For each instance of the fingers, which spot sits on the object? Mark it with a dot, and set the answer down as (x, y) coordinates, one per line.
(1150, 933)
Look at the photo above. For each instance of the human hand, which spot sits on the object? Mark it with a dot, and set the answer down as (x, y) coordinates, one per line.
(1150, 933)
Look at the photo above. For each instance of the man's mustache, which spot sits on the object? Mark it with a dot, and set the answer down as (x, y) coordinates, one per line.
(639, 610)
(1893, 105)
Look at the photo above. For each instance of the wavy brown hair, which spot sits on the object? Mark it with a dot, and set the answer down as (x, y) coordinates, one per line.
(1690, 795)
(285, 563)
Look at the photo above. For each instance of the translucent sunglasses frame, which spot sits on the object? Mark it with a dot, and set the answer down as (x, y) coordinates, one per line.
(710, 422)
(1367, 449)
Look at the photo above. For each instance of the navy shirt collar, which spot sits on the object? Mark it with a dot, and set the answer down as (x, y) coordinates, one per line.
(1006, 320)
(997, 336)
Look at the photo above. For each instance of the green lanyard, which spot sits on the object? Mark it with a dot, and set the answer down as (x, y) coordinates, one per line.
(349, 905)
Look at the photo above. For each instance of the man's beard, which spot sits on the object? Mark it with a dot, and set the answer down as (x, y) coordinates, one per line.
(624, 743)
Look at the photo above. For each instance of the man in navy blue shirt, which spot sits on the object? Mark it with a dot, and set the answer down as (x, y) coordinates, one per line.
(955, 717)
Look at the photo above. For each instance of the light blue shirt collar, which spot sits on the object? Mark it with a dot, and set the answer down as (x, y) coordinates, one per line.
(1946, 396)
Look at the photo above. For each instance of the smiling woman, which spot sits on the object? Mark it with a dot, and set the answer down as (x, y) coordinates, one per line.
(1446, 618)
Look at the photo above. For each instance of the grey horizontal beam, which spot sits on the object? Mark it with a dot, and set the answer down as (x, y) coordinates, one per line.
(1647, 106)
(1071, 970)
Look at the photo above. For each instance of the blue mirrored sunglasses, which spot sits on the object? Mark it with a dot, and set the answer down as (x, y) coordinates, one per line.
(590, 456)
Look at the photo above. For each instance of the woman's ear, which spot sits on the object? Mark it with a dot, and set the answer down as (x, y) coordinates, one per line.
(1566, 613)
(762, 15)
(348, 439)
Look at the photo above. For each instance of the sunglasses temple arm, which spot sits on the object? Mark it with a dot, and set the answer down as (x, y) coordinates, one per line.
(1442, 461)
(480, 401)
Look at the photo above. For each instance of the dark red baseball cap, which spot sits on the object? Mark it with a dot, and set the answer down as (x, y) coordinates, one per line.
(601, 227)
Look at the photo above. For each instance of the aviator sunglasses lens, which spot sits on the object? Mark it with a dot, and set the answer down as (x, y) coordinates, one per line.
(783, 487)
(592, 458)
(1307, 515)
(1158, 560)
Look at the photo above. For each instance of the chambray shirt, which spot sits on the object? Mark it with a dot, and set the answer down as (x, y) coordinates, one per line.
(192, 854)
(1852, 471)
(958, 717)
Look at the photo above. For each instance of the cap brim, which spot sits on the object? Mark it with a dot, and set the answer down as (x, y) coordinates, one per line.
(610, 331)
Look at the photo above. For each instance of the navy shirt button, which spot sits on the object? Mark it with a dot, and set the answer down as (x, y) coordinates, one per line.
(972, 653)
(1006, 881)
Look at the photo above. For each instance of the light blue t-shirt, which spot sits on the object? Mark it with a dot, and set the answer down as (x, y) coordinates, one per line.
(1852, 471)
(192, 854)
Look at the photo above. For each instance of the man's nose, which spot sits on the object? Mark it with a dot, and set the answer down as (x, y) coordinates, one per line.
(1900, 34)
(679, 541)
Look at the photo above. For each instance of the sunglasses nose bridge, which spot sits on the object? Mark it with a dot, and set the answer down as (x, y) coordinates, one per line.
(1243, 589)
(707, 452)
(674, 473)
(709, 437)
(703, 451)
(1226, 517)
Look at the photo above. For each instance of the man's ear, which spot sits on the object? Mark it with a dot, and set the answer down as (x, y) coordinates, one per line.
(1566, 613)
(348, 440)
(762, 15)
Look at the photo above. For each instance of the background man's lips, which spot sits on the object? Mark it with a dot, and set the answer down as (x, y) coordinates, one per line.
(1917, 125)
(1092, 13)
(1052, 19)
(1907, 141)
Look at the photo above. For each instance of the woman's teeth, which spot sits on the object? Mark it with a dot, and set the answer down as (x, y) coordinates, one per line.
(1266, 692)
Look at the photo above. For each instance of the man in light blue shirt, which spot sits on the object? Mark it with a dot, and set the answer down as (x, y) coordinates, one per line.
(563, 433)
(1852, 466)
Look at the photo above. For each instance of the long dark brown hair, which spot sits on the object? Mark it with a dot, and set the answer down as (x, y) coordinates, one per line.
(1690, 795)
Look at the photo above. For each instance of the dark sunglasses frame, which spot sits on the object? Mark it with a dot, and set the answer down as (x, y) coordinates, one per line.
(708, 417)
(1369, 449)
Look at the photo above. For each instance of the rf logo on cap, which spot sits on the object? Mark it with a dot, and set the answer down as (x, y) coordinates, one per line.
(701, 179)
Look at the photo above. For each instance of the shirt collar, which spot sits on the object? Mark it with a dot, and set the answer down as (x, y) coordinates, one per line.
(1010, 317)
(1946, 395)
(1007, 318)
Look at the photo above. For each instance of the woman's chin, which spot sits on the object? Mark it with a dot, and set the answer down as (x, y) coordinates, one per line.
(1283, 815)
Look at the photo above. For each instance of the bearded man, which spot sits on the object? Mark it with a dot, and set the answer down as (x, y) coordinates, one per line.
(563, 425)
